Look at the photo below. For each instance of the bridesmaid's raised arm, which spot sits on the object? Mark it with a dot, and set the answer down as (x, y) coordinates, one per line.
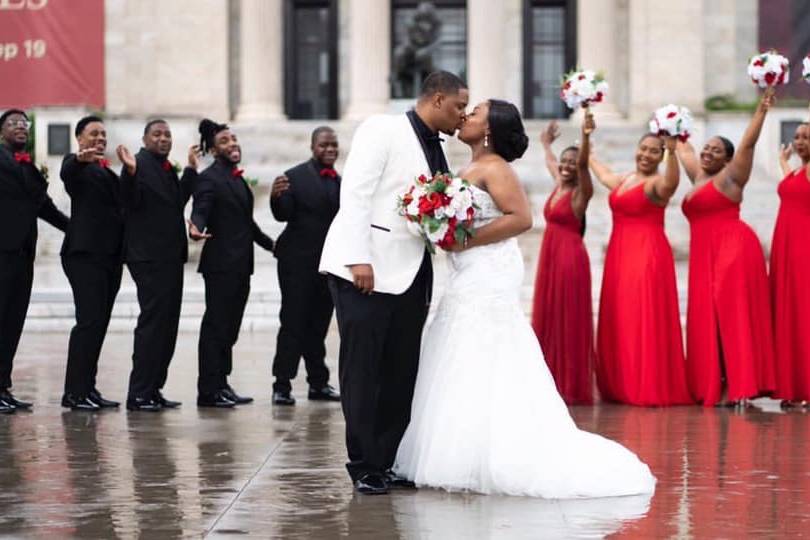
(584, 190)
(689, 159)
(785, 151)
(547, 137)
(739, 169)
(604, 174)
(664, 186)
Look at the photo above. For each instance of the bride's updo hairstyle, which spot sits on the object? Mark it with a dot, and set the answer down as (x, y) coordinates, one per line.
(508, 136)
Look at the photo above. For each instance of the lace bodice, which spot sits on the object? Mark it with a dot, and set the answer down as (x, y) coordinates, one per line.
(487, 209)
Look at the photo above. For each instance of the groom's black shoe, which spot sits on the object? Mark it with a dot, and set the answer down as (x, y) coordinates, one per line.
(327, 393)
(395, 481)
(283, 398)
(371, 484)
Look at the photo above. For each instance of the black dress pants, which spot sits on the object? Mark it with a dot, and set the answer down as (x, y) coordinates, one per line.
(95, 280)
(160, 295)
(380, 340)
(16, 275)
(306, 311)
(225, 299)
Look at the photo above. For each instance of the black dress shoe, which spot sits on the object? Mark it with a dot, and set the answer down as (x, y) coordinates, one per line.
(9, 398)
(96, 397)
(393, 480)
(7, 408)
(283, 398)
(166, 403)
(217, 400)
(79, 403)
(144, 404)
(327, 393)
(371, 484)
(229, 393)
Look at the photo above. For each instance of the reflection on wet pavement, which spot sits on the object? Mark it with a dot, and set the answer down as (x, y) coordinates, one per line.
(270, 472)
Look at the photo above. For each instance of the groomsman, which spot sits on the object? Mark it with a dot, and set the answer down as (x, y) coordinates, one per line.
(307, 198)
(91, 258)
(222, 214)
(23, 198)
(155, 250)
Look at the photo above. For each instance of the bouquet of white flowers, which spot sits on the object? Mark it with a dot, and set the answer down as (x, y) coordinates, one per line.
(769, 69)
(806, 69)
(583, 88)
(672, 121)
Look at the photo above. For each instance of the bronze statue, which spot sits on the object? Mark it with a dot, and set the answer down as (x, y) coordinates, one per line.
(413, 59)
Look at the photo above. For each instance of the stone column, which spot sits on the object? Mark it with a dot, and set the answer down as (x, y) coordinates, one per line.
(486, 21)
(369, 57)
(261, 60)
(597, 49)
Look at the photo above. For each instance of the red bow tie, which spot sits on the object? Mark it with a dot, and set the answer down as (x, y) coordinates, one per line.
(237, 173)
(104, 163)
(167, 166)
(22, 157)
(330, 173)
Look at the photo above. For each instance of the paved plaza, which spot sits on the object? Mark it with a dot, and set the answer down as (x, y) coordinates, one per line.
(269, 472)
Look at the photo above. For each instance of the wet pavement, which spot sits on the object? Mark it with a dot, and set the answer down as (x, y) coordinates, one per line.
(270, 472)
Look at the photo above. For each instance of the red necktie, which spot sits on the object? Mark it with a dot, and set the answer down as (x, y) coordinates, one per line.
(167, 166)
(104, 163)
(237, 173)
(329, 173)
(22, 157)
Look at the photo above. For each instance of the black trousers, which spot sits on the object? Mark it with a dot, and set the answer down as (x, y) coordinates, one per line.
(225, 299)
(160, 294)
(16, 275)
(306, 311)
(95, 280)
(380, 339)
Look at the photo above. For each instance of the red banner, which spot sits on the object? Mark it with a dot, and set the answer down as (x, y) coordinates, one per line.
(51, 53)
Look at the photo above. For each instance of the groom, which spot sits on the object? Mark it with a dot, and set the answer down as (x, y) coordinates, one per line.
(380, 275)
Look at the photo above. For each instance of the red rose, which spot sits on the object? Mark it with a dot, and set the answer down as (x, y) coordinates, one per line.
(769, 78)
(598, 97)
(581, 77)
(422, 179)
(672, 114)
(759, 62)
(470, 213)
(425, 206)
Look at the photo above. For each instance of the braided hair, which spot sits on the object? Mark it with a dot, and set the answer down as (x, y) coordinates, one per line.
(208, 130)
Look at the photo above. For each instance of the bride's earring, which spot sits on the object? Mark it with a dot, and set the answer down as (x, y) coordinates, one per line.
(486, 140)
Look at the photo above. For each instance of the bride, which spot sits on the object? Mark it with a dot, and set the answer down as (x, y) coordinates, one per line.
(486, 415)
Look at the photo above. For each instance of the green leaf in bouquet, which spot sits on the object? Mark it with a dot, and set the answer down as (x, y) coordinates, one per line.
(460, 235)
(431, 223)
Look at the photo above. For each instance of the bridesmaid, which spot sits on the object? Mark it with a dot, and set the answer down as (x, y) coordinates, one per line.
(639, 346)
(562, 316)
(790, 289)
(729, 343)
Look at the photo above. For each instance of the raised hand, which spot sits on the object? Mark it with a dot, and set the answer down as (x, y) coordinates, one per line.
(550, 134)
(785, 151)
(126, 157)
(280, 185)
(88, 155)
(671, 144)
(195, 234)
(588, 125)
(768, 99)
(194, 156)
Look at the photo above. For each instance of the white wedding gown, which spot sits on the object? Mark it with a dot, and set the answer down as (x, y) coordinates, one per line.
(486, 415)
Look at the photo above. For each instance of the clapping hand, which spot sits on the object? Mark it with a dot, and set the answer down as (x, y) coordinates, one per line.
(194, 156)
(126, 157)
(88, 155)
(280, 185)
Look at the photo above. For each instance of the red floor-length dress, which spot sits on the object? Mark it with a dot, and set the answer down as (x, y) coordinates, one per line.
(562, 316)
(790, 287)
(728, 322)
(639, 344)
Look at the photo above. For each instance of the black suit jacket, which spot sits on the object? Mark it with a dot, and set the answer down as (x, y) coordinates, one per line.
(308, 207)
(154, 199)
(23, 198)
(223, 207)
(96, 215)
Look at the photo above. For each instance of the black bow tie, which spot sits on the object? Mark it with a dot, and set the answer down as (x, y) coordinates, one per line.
(434, 138)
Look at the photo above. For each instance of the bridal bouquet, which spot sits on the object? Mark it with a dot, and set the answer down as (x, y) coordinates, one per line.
(439, 209)
(806, 69)
(583, 88)
(672, 121)
(769, 69)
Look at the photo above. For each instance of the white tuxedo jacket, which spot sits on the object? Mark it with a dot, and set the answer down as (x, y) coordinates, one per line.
(385, 159)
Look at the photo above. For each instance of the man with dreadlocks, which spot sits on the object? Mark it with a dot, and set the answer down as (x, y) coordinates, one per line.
(155, 250)
(23, 198)
(222, 214)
